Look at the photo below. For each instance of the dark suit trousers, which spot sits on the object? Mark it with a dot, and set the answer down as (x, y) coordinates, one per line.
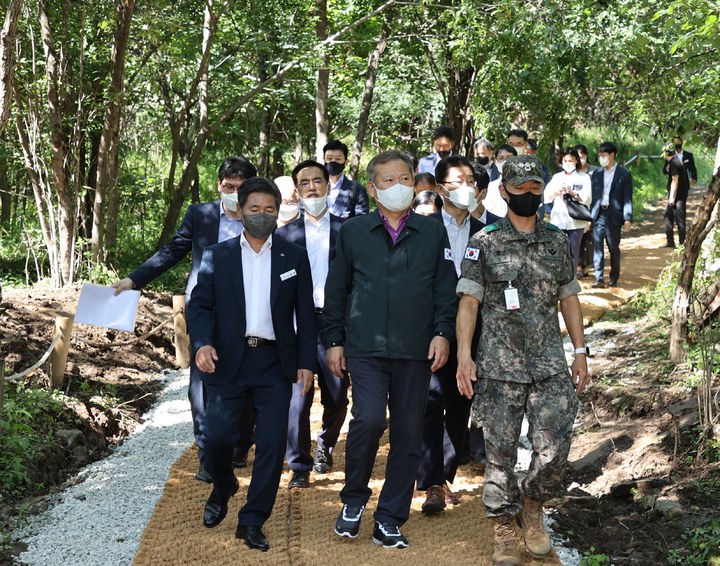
(197, 396)
(445, 427)
(334, 399)
(604, 231)
(262, 382)
(675, 215)
(378, 384)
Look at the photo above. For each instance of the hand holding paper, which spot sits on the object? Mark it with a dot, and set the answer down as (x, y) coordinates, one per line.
(99, 306)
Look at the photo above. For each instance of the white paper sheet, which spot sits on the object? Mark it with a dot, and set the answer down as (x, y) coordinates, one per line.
(98, 306)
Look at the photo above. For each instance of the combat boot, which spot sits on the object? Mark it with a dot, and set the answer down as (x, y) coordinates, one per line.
(506, 552)
(537, 539)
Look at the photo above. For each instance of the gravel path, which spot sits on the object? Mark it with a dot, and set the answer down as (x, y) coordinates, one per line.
(100, 520)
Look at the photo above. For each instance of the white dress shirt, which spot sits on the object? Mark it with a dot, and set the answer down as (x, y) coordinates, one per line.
(334, 190)
(317, 243)
(459, 235)
(580, 183)
(228, 227)
(607, 183)
(257, 274)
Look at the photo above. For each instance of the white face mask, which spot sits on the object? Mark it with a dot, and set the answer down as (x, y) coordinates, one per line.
(568, 167)
(229, 200)
(473, 205)
(287, 212)
(583, 160)
(604, 161)
(500, 165)
(395, 198)
(315, 206)
(462, 196)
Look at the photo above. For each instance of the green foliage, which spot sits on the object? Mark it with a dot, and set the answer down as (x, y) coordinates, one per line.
(702, 547)
(590, 558)
(27, 418)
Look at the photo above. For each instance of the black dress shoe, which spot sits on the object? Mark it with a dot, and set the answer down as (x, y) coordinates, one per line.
(599, 284)
(216, 509)
(613, 283)
(203, 475)
(253, 537)
(299, 479)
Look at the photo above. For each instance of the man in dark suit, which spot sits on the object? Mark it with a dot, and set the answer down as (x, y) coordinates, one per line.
(485, 156)
(686, 158)
(611, 212)
(346, 198)
(316, 230)
(447, 411)
(204, 224)
(678, 188)
(252, 293)
(390, 308)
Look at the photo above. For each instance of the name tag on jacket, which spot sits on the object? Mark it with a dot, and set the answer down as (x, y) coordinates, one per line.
(288, 274)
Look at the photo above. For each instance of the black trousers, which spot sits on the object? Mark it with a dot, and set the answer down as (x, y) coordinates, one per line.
(604, 231)
(379, 384)
(262, 382)
(334, 399)
(445, 427)
(675, 215)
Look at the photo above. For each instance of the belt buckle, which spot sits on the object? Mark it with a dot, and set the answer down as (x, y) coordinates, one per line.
(252, 341)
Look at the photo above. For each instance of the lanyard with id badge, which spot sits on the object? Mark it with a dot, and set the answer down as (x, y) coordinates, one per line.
(512, 300)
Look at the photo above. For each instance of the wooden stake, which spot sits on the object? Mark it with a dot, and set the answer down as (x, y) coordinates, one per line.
(59, 355)
(182, 340)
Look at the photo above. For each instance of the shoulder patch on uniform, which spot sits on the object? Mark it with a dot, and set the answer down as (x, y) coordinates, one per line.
(552, 227)
(490, 228)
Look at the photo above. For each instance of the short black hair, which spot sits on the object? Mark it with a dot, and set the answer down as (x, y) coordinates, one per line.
(428, 197)
(607, 147)
(444, 165)
(581, 147)
(309, 163)
(507, 147)
(443, 132)
(519, 132)
(336, 144)
(425, 177)
(258, 185)
(571, 151)
(532, 144)
(482, 177)
(235, 167)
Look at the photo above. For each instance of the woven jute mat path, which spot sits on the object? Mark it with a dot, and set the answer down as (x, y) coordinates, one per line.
(300, 529)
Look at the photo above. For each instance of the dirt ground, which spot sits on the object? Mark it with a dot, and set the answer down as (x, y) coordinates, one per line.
(634, 484)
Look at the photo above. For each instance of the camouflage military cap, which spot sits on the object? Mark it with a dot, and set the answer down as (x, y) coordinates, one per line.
(522, 168)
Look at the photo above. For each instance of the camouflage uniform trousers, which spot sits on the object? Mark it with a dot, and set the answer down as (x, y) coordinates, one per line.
(498, 406)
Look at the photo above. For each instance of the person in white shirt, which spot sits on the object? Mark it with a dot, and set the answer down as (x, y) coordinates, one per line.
(316, 230)
(570, 183)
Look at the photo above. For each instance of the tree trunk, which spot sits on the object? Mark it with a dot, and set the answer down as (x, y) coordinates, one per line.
(696, 234)
(370, 77)
(5, 199)
(323, 83)
(7, 60)
(106, 186)
(459, 91)
(63, 188)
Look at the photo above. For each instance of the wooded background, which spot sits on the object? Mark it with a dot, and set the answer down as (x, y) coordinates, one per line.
(115, 115)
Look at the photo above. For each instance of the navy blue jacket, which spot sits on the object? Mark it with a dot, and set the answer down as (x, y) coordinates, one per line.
(216, 313)
(620, 208)
(352, 200)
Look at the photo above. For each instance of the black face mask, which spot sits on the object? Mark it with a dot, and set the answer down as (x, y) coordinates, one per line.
(443, 154)
(678, 146)
(526, 204)
(260, 225)
(482, 160)
(334, 168)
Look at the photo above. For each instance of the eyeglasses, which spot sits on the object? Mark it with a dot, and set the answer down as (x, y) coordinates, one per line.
(458, 184)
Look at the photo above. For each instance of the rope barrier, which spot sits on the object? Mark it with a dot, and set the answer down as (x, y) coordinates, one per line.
(42, 360)
(155, 330)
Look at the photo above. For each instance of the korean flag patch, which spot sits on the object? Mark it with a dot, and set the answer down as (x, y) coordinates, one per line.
(473, 254)
(448, 254)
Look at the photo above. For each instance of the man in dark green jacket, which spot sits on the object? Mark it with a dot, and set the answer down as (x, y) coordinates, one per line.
(388, 318)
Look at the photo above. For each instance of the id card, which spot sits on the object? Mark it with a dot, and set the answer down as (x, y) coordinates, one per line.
(512, 300)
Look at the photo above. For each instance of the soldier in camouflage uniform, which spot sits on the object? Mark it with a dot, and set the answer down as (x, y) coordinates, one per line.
(516, 271)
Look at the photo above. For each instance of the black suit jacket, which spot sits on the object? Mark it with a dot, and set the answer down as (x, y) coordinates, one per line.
(352, 200)
(688, 162)
(621, 189)
(295, 232)
(216, 313)
(198, 230)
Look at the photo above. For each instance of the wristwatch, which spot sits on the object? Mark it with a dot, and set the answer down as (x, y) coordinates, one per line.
(585, 351)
